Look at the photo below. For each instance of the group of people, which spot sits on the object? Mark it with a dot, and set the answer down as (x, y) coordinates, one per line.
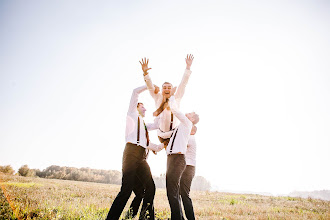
(176, 132)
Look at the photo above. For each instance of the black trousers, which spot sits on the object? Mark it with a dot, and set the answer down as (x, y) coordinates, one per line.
(134, 166)
(139, 191)
(185, 184)
(176, 164)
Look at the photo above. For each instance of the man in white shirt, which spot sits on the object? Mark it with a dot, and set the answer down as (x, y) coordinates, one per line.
(188, 175)
(134, 160)
(185, 181)
(168, 121)
(176, 150)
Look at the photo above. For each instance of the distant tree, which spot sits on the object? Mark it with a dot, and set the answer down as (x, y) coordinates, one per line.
(26, 171)
(114, 177)
(23, 170)
(7, 169)
(41, 174)
(200, 183)
(37, 172)
(101, 176)
(160, 181)
(31, 173)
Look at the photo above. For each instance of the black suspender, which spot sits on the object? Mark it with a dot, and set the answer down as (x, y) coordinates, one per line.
(147, 134)
(138, 132)
(171, 121)
(173, 140)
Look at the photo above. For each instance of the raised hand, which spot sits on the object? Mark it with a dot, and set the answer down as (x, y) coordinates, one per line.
(156, 89)
(189, 61)
(144, 65)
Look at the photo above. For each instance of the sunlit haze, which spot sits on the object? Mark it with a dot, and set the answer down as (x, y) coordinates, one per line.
(260, 83)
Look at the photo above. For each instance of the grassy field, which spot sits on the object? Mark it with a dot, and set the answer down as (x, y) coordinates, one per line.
(37, 198)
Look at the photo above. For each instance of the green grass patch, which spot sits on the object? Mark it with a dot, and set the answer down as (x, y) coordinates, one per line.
(63, 199)
(5, 210)
(22, 185)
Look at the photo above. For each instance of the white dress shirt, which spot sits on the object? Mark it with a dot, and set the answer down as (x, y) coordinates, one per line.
(165, 116)
(132, 122)
(191, 151)
(181, 134)
(191, 148)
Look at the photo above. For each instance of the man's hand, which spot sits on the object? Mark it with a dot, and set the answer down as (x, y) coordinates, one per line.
(144, 65)
(166, 143)
(161, 108)
(156, 89)
(189, 61)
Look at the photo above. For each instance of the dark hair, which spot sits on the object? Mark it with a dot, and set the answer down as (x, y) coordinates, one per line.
(167, 83)
(139, 103)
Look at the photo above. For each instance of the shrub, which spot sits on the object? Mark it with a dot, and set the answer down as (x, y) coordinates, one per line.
(7, 169)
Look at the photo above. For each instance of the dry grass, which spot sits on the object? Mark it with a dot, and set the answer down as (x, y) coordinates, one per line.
(37, 198)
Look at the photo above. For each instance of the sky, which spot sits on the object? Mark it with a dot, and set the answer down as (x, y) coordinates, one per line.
(260, 82)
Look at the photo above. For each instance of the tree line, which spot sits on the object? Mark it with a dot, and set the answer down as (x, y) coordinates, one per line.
(92, 175)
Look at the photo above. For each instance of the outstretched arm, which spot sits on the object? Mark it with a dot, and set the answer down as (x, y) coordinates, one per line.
(175, 110)
(153, 126)
(181, 88)
(153, 90)
(134, 98)
(155, 147)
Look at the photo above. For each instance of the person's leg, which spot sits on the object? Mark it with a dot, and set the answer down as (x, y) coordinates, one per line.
(138, 190)
(185, 185)
(144, 174)
(132, 155)
(175, 166)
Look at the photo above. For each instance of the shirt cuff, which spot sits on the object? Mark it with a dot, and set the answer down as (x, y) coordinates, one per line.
(147, 77)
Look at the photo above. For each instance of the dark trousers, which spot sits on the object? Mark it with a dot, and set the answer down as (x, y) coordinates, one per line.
(139, 191)
(176, 163)
(134, 166)
(185, 184)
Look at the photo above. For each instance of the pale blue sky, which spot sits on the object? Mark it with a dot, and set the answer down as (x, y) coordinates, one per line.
(260, 84)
